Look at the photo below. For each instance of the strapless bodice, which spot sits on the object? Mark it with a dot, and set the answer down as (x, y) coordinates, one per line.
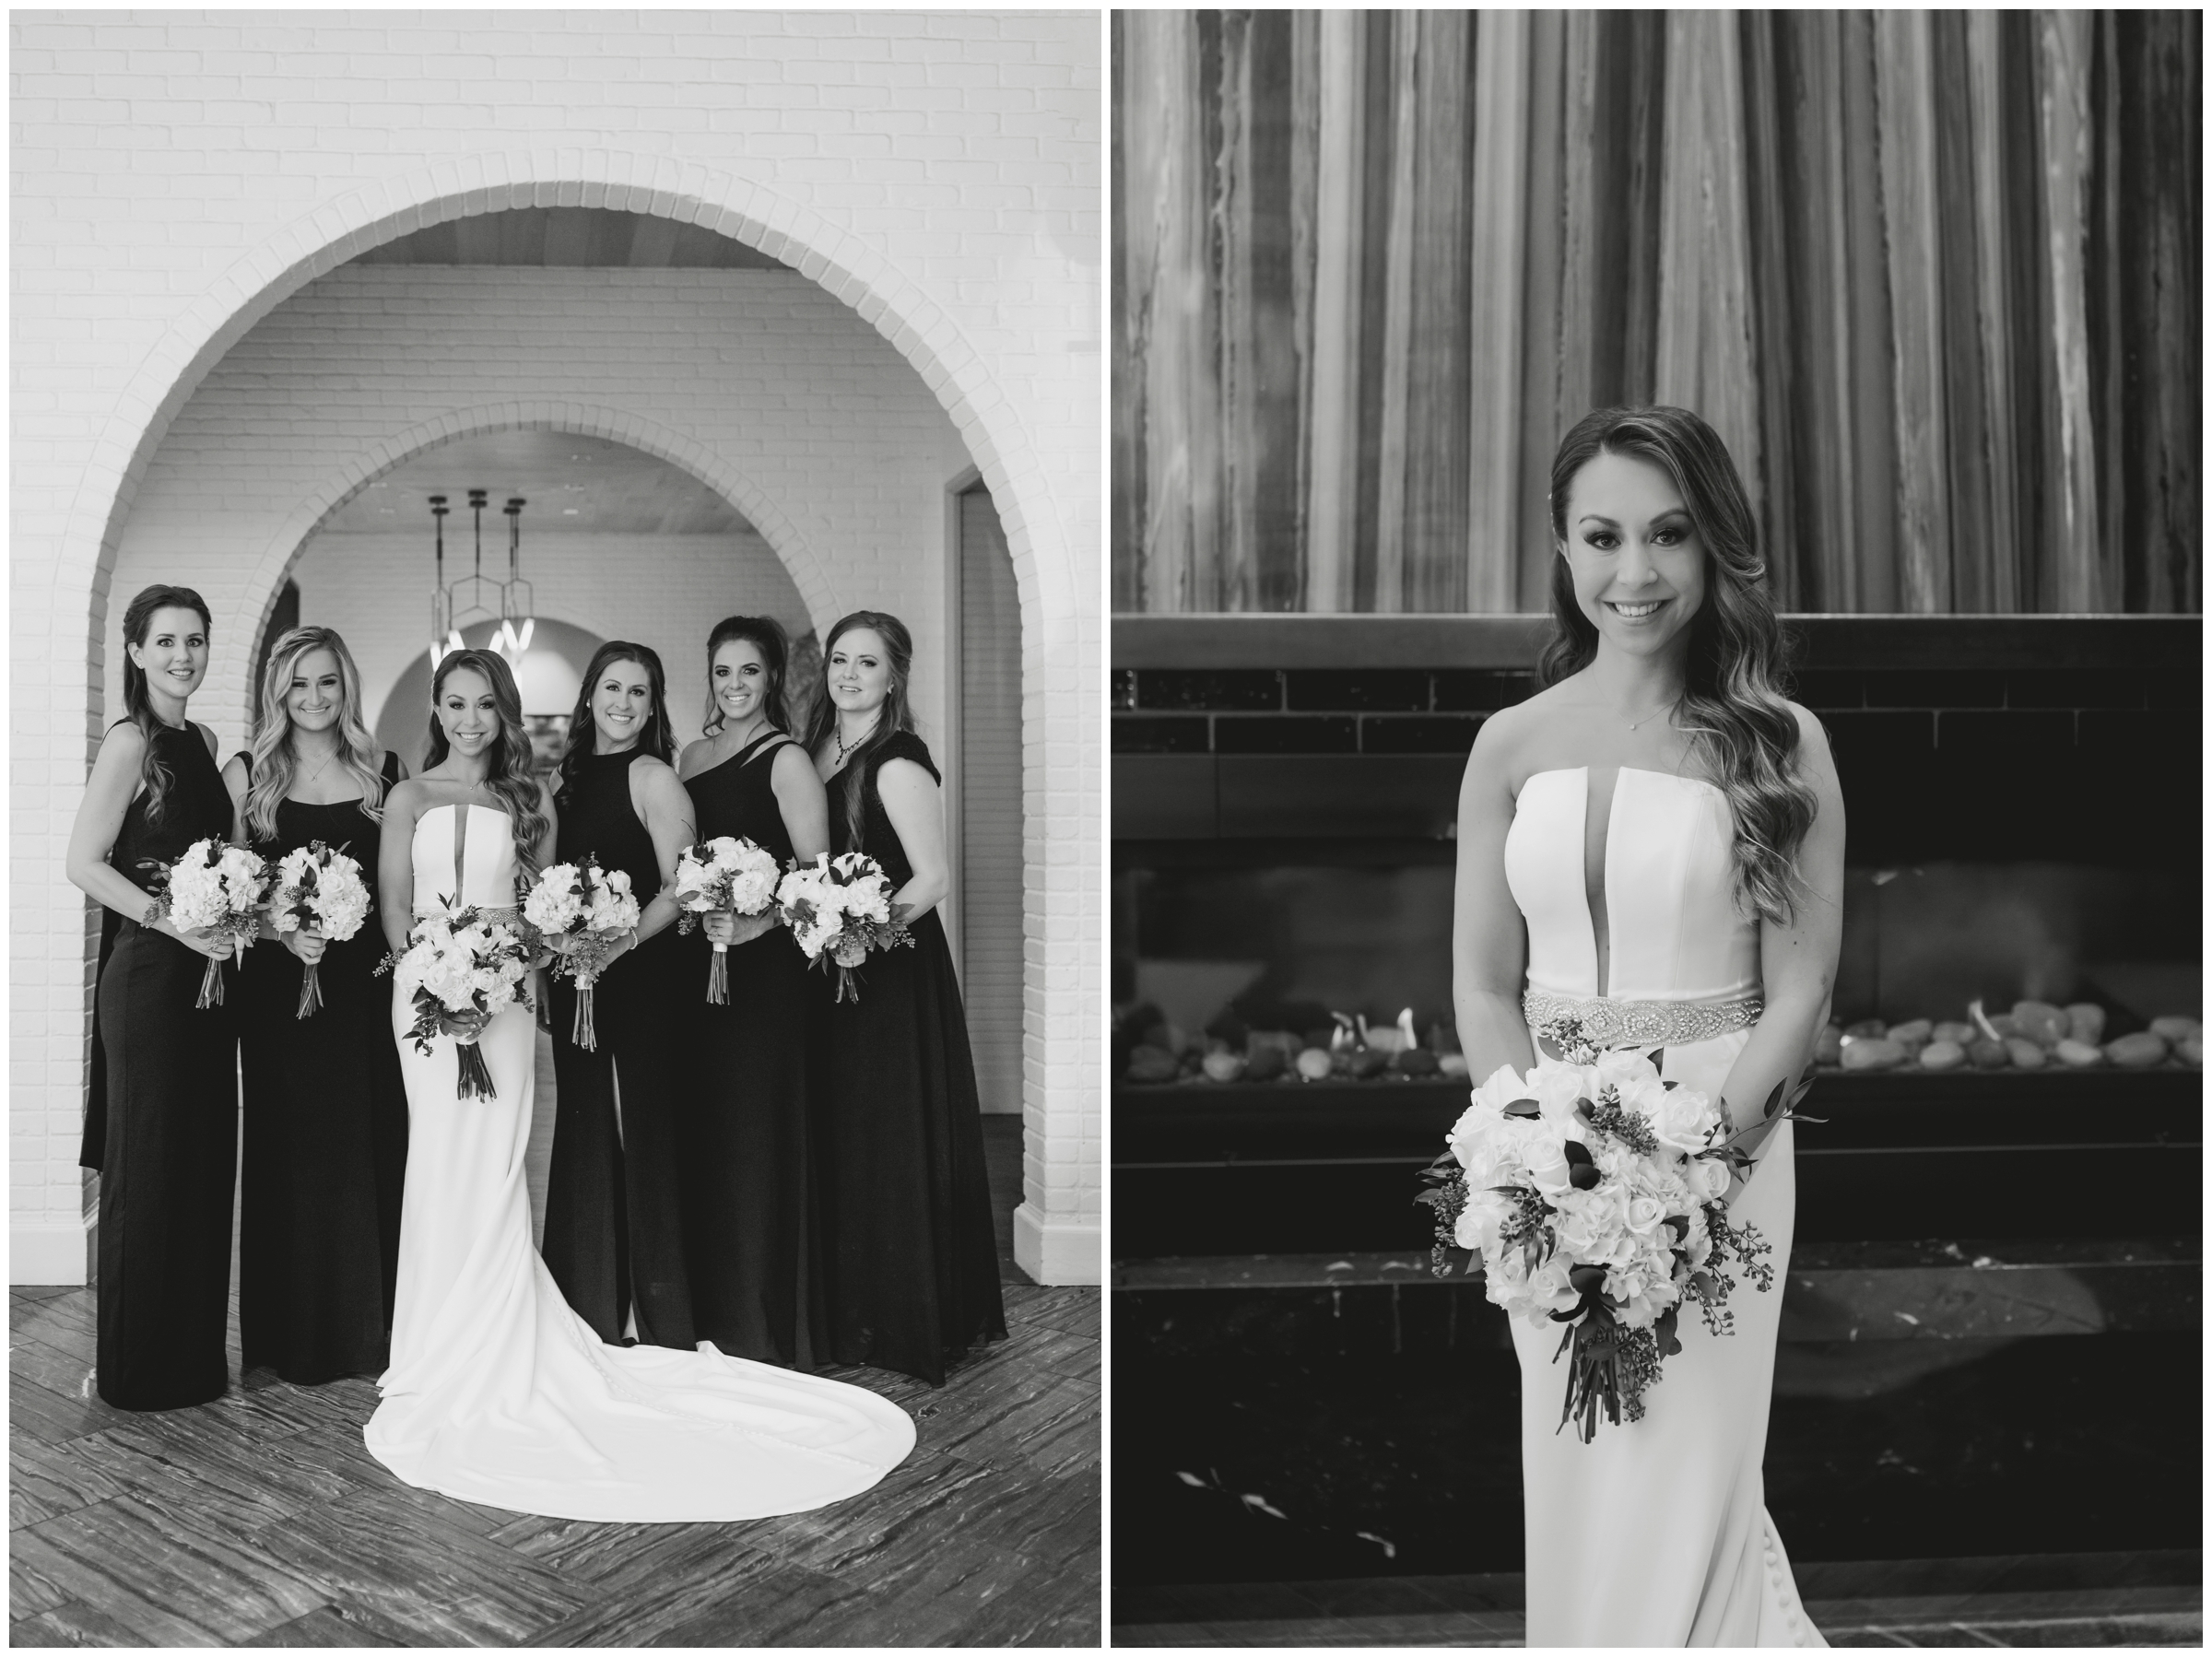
(489, 847)
(1675, 929)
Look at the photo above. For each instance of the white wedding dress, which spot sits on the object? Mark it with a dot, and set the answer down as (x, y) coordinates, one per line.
(1656, 1533)
(499, 1393)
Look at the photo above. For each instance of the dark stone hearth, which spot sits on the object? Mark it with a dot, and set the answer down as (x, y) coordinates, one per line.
(1166, 734)
(1249, 690)
(1417, 733)
(1381, 689)
(1287, 734)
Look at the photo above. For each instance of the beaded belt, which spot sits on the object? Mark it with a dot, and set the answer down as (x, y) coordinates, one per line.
(1641, 1023)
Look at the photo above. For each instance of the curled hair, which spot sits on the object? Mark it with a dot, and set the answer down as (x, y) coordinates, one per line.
(137, 700)
(765, 634)
(1731, 699)
(512, 778)
(895, 715)
(273, 762)
(584, 730)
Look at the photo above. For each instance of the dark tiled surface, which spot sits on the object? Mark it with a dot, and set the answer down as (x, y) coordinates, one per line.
(1938, 688)
(1242, 689)
(1482, 692)
(1418, 734)
(1378, 690)
(1163, 734)
(1822, 689)
(261, 1520)
(1294, 733)
(1382, 1463)
(2074, 687)
(2028, 735)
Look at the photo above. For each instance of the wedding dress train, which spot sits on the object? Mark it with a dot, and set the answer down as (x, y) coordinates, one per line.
(1656, 1532)
(498, 1392)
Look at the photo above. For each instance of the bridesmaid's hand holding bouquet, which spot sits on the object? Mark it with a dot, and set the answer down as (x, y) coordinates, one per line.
(839, 910)
(216, 891)
(318, 892)
(461, 969)
(583, 910)
(726, 875)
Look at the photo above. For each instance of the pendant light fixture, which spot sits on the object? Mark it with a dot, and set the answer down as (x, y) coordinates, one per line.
(518, 599)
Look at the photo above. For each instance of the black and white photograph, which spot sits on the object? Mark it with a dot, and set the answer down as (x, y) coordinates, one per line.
(1656, 861)
(556, 1017)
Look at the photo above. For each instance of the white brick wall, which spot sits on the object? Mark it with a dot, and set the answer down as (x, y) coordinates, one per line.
(178, 176)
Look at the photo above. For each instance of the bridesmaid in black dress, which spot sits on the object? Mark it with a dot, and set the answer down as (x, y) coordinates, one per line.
(912, 1264)
(325, 1144)
(163, 1125)
(614, 1225)
(749, 1222)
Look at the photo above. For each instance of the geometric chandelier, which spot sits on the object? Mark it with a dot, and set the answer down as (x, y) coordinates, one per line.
(512, 601)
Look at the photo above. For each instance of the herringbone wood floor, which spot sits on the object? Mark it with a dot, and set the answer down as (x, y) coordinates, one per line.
(261, 1520)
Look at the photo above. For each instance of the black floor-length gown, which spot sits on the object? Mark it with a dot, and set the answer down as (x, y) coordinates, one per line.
(326, 1133)
(614, 1223)
(913, 1264)
(162, 1127)
(750, 1222)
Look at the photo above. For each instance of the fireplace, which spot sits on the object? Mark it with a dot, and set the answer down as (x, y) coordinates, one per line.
(2023, 798)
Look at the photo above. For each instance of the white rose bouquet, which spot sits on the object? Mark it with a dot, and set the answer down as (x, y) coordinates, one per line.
(461, 969)
(1590, 1191)
(591, 908)
(317, 886)
(213, 887)
(839, 910)
(725, 873)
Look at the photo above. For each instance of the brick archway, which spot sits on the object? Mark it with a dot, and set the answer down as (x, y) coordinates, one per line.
(1051, 601)
(282, 549)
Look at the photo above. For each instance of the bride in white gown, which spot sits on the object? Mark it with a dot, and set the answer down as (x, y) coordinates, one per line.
(498, 1392)
(1654, 843)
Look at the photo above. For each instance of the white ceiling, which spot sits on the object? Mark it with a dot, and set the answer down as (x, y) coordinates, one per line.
(572, 238)
(578, 484)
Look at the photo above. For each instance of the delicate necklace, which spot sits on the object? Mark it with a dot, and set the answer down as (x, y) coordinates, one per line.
(310, 782)
(1653, 714)
(842, 749)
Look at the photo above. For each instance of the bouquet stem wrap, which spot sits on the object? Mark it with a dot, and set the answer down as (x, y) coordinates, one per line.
(475, 1075)
(718, 977)
(211, 984)
(311, 992)
(585, 1032)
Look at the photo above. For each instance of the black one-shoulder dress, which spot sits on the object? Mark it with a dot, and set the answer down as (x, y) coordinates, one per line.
(162, 1126)
(326, 1133)
(912, 1264)
(751, 1213)
(614, 1220)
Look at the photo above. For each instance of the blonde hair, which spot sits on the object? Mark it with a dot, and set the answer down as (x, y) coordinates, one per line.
(272, 764)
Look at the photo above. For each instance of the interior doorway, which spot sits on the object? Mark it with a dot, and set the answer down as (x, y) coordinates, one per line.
(985, 813)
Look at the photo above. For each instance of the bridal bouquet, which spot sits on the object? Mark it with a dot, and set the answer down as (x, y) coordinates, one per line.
(217, 889)
(839, 910)
(723, 873)
(320, 888)
(594, 907)
(1590, 1191)
(460, 970)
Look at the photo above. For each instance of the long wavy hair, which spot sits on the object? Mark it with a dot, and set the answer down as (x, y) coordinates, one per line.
(511, 777)
(895, 715)
(137, 701)
(1731, 699)
(584, 730)
(765, 634)
(273, 762)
